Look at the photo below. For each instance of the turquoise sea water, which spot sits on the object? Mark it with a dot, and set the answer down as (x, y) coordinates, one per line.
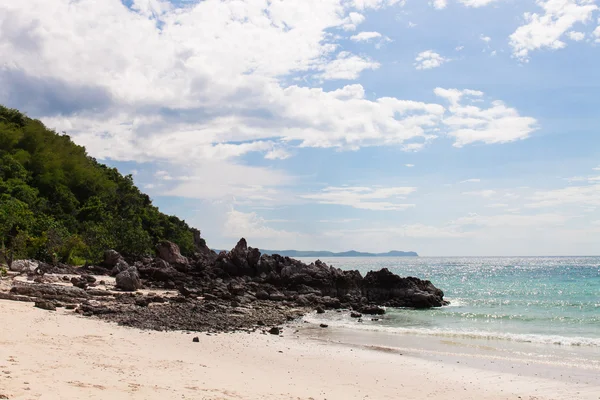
(553, 300)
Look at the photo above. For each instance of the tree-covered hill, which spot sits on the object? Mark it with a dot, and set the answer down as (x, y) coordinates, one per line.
(59, 204)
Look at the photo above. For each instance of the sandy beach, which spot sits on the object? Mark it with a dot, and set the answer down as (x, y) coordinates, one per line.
(57, 355)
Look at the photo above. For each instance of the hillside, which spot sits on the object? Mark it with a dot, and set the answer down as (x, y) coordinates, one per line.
(59, 204)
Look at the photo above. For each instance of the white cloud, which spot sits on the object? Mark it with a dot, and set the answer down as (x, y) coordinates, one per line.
(597, 33)
(459, 48)
(486, 39)
(545, 30)
(346, 66)
(496, 124)
(497, 205)
(393, 234)
(588, 195)
(409, 165)
(576, 36)
(364, 197)
(429, 59)
(251, 226)
(473, 180)
(351, 22)
(439, 4)
(278, 154)
(477, 3)
(365, 36)
(411, 24)
(512, 220)
(481, 193)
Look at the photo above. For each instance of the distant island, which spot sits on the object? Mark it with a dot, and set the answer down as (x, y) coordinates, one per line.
(351, 253)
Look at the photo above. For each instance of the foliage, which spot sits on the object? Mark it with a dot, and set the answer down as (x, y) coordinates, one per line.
(59, 204)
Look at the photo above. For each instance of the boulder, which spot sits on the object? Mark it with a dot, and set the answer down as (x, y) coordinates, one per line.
(170, 252)
(320, 310)
(111, 257)
(24, 266)
(354, 314)
(372, 310)
(45, 305)
(79, 282)
(275, 331)
(129, 280)
(120, 266)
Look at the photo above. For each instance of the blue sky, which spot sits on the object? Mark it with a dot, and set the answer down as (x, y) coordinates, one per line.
(458, 127)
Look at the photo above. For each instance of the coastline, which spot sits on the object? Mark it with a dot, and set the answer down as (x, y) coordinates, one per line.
(52, 355)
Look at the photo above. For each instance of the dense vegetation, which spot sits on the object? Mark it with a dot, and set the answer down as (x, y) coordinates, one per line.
(59, 204)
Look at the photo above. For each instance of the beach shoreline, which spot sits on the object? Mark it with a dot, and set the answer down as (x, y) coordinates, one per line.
(58, 355)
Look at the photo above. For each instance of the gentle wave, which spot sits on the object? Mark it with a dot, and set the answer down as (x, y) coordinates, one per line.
(468, 334)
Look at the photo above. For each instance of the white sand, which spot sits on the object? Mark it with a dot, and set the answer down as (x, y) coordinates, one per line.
(57, 355)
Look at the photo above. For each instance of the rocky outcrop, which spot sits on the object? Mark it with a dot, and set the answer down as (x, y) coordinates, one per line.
(388, 289)
(170, 252)
(24, 266)
(129, 280)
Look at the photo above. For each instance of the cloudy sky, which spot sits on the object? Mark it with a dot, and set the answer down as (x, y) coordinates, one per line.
(447, 127)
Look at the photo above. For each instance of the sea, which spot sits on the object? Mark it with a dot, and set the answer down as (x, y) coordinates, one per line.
(547, 306)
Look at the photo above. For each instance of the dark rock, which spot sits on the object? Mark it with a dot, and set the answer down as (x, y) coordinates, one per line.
(262, 295)
(354, 314)
(79, 282)
(372, 310)
(260, 323)
(320, 310)
(111, 258)
(196, 339)
(375, 319)
(49, 292)
(142, 302)
(89, 278)
(46, 305)
(120, 266)
(71, 306)
(385, 288)
(324, 325)
(129, 280)
(274, 331)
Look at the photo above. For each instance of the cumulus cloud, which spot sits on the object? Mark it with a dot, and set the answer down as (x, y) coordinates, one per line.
(469, 123)
(429, 59)
(252, 226)
(545, 29)
(481, 193)
(365, 36)
(382, 199)
(576, 36)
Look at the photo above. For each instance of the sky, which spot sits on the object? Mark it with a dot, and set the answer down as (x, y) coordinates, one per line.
(446, 127)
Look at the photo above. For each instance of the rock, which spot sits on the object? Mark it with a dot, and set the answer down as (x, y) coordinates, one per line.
(354, 314)
(196, 339)
(375, 319)
(385, 288)
(45, 305)
(320, 310)
(120, 266)
(79, 282)
(89, 278)
(142, 302)
(170, 252)
(274, 331)
(277, 296)
(49, 292)
(111, 258)
(129, 280)
(262, 295)
(24, 266)
(71, 306)
(324, 325)
(372, 310)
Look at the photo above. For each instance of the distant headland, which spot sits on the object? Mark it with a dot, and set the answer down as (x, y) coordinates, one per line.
(351, 253)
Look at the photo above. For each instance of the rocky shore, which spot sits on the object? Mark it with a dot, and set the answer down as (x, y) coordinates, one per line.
(237, 290)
